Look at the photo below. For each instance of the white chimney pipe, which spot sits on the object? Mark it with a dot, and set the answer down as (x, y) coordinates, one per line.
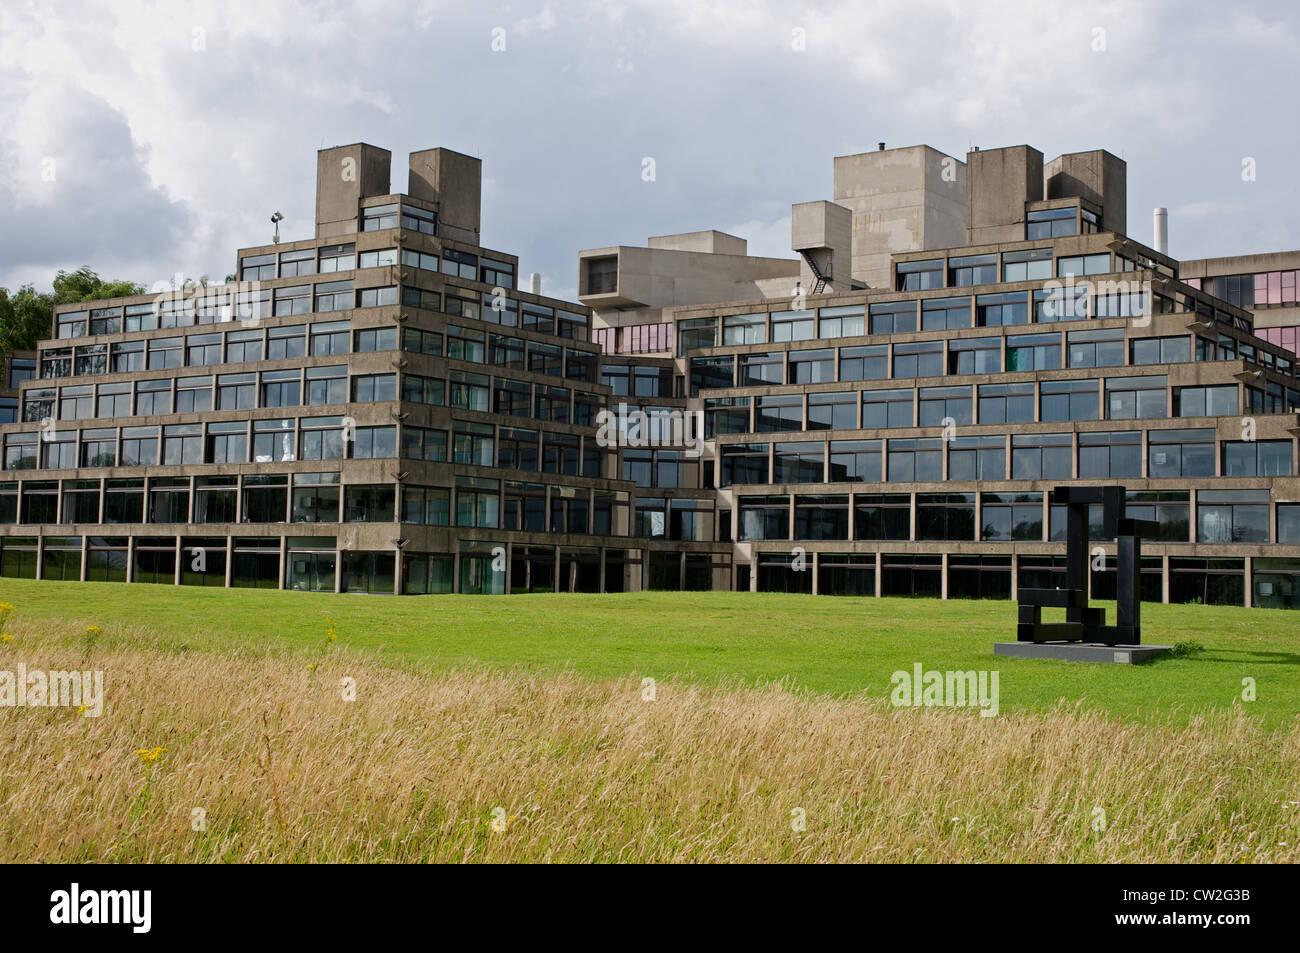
(1160, 223)
(535, 283)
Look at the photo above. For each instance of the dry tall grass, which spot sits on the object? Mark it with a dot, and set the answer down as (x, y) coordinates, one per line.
(414, 768)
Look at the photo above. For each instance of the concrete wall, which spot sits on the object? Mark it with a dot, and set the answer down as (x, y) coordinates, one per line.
(998, 184)
(663, 278)
(908, 199)
(710, 240)
(824, 231)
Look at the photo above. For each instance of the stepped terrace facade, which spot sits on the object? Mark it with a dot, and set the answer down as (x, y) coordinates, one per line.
(383, 409)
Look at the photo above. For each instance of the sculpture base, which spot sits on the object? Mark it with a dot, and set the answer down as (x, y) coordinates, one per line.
(1082, 651)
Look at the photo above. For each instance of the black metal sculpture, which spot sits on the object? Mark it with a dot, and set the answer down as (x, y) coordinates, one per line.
(1082, 623)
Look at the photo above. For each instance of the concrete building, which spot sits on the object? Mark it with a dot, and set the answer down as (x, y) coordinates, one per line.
(382, 409)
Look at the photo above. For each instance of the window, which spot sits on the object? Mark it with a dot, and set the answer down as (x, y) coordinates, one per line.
(882, 516)
(374, 388)
(546, 359)
(744, 463)
(551, 403)
(203, 349)
(1068, 400)
(945, 516)
(419, 298)
(376, 339)
(724, 415)
(560, 454)
(1033, 352)
(422, 342)
(1205, 401)
(893, 317)
(266, 498)
(378, 217)
(833, 411)
(126, 356)
(379, 258)
(1232, 516)
(124, 501)
(91, 359)
(295, 263)
(330, 296)
(76, 403)
(511, 398)
(884, 409)
(505, 351)
(497, 273)
(867, 363)
(273, 440)
(1029, 265)
(139, 317)
(1041, 456)
(763, 517)
(972, 270)
(293, 300)
(712, 372)
(20, 451)
(114, 400)
(798, 462)
(236, 391)
(918, 275)
(1171, 350)
(793, 325)
(538, 317)
(105, 320)
(465, 344)
(165, 353)
(1080, 266)
(1099, 348)
(56, 362)
(477, 501)
(1180, 453)
(846, 321)
(228, 442)
(424, 390)
(471, 443)
(918, 359)
(821, 517)
(1130, 398)
(59, 450)
(153, 397)
(329, 338)
(1011, 516)
(470, 391)
(602, 275)
(1122, 305)
(1006, 403)
(517, 449)
(763, 367)
(981, 355)
(427, 505)
(999, 310)
(257, 268)
(335, 258)
(856, 461)
(1066, 303)
(38, 405)
(139, 446)
(1051, 223)
(812, 367)
(99, 448)
(1256, 458)
(977, 458)
(779, 412)
(696, 333)
(419, 220)
(1110, 454)
(182, 444)
(281, 388)
(376, 297)
(744, 328)
(243, 346)
(327, 385)
(80, 504)
(938, 314)
(320, 438)
(315, 498)
(919, 460)
(419, 443)
(935, 405)
(1288, 523)
(193, 394)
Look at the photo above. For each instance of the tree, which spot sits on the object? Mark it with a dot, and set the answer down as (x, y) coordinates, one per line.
(27, 316)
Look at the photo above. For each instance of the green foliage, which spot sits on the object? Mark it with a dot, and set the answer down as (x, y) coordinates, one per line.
(27, 316)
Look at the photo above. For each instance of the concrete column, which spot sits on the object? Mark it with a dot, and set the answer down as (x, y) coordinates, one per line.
(176, 566)
(879, 572)
(943, 578)
(1249, 587)
(1164, 579)
(230, 562)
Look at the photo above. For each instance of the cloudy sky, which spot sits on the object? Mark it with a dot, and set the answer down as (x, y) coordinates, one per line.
(146, 139)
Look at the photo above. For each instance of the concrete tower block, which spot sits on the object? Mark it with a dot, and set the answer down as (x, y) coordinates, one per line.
(344, 176)
(998, 184)
(455, 182)
(823, 231)
(1097, 176)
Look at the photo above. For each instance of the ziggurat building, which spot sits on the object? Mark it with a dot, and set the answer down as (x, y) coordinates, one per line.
(383, 408)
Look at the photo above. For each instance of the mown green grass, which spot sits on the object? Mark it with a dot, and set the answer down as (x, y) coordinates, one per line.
(839, 646)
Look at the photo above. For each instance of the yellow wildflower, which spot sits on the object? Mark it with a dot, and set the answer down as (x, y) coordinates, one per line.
(151, 755)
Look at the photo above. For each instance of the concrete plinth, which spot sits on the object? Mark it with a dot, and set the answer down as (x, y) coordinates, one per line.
(1082, 651)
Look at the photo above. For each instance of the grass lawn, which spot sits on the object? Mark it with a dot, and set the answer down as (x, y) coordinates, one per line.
(839, 646)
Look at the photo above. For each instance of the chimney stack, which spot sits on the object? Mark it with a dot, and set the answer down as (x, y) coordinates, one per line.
(535, 283)
(881, 146)
(1160, 223)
